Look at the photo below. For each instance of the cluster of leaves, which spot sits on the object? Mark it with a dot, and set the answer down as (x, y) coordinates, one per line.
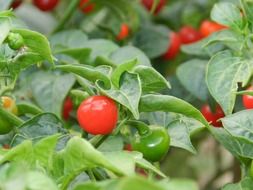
(224, 63)
(48, 155)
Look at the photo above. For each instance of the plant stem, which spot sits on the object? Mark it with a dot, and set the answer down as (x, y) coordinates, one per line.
(141, 127)
(68, 14)
(154, 6)
(101, 141)
(69, 179)
(91, 175)
(98, 175)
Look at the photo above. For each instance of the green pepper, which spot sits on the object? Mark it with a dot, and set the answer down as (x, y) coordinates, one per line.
(5, 126)
(152, 141)
(15, 41)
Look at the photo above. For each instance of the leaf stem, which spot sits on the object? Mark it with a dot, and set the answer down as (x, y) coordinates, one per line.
(141, 127)
(68, 14)
(91, 175)
(98, 140)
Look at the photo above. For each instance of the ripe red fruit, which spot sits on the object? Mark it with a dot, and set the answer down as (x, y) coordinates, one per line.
(67, 108)
(174, 48)
(208, 27)
(213, 117)
(86, 7)
(45, 5)
(98, 115)
(15, 4)
(128, 147)
(189, 35)
(149, 3)
(6, 146)
(248, 100)
(141, 172)
(124, 31)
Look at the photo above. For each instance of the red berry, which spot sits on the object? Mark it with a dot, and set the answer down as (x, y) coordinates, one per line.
(86, 7)
(16, 3)
(248, 100)
(124, 31)
(141, 172)
(174, 47)
(6, 146)
(45, 5)
(189, 35)
(98, 115)
(208, 27)
(67, 108)
(149, 3)
(213, 117)
(128, 147)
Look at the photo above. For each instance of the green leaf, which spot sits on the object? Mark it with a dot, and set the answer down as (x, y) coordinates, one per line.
(120, 69)
(224, 71)
(38, 127)
(79, 154)
(5, 27)
(179, 132)
(153, 40)
(229, 38)
(104, 69)
(32, 39)
(200, 49)
(240, 148)
(87, 72)
(19, 153)
(121, 160)
(23, 60)
(58, 165)
(39, 181)
(5, 5)
(28, 108)
(151, 80)
(244, 184)
(50, 90)
(88, 186)
(129, 93)
(195, 84)
(142, 163)
(20, 176)
(100, 47)
(152, 103)
(44, 150)
(80, 54)
(68, 39)
(240, 124)
(158, 118)
(247, 7)
(228, 14)
(112, 144)
(138, 183)
(180, 184)
(129, 53)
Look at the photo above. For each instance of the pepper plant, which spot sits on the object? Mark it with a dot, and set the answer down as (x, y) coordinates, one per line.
(42, 144)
